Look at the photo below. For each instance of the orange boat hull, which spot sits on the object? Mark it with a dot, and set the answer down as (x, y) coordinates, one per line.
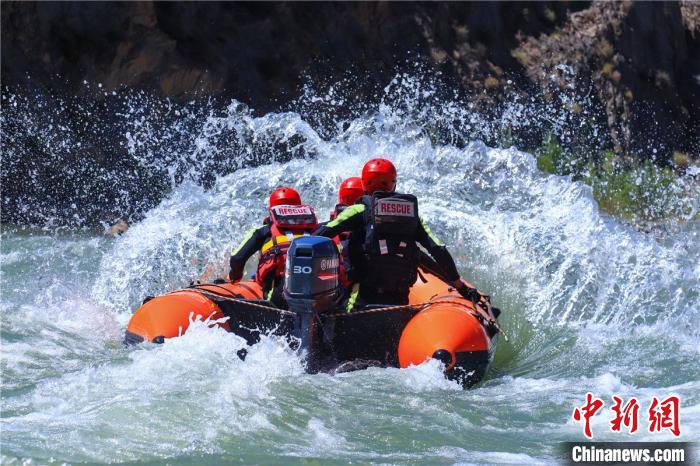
(451, 329)
(169, 315)
(448, 328)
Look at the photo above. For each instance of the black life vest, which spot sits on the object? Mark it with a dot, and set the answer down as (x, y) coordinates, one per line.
(390, 249)
(286, 223)
(343, 242)
(342, 239)
(338, 209)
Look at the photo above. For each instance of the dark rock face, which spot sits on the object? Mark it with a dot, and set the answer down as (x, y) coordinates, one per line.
(638, 58)
(641, 62)
(257, 52)
(643, 57)
(658, 69)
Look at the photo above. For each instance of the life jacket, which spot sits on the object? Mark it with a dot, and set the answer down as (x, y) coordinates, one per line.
(343, 242)
(390, 250)
(342, 239)
(286, 223)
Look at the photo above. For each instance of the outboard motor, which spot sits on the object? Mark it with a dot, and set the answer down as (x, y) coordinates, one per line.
(311, 287)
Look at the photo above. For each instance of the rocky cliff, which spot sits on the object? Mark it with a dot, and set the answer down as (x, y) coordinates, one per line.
(638, 62)
(642, 57)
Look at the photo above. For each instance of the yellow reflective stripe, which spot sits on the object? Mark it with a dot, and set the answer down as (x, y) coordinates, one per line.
(280, 239)
(245, 240)
(353, 297)
(272, 288)
(430, 232)
(351, 211)
(272, 242)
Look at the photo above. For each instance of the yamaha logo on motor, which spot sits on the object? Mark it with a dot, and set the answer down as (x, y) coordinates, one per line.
(329, 264)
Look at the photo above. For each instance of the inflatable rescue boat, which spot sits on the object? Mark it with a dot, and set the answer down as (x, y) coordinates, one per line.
(438, 322)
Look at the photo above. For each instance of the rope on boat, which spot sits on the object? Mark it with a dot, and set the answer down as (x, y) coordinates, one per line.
(248, 303)
(483, 316)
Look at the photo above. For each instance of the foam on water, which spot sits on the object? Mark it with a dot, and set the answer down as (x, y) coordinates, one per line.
(129, 398)
(590, 304)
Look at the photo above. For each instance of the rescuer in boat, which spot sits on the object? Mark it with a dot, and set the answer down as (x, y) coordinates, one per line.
(288, 219)
(349, 192)
(387, 229)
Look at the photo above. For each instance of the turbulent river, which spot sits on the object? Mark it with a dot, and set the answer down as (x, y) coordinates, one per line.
(590, 304)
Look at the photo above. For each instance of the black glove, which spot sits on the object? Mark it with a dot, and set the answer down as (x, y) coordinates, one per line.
(472, 294)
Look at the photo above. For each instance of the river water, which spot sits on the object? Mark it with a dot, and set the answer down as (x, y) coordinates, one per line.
(590, 304)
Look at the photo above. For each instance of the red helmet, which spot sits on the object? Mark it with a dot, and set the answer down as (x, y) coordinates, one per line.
(350, 190)
(284, 196)
(378, 175)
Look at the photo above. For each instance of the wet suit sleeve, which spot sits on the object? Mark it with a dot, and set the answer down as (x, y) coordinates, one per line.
(350, 219)
(251, 244)
(437, 250)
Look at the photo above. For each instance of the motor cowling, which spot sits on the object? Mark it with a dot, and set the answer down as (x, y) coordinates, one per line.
(312, 274)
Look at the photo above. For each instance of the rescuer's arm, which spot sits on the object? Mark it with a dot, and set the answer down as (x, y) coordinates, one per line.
(444, 259)
(251, 244)
(350, 219)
